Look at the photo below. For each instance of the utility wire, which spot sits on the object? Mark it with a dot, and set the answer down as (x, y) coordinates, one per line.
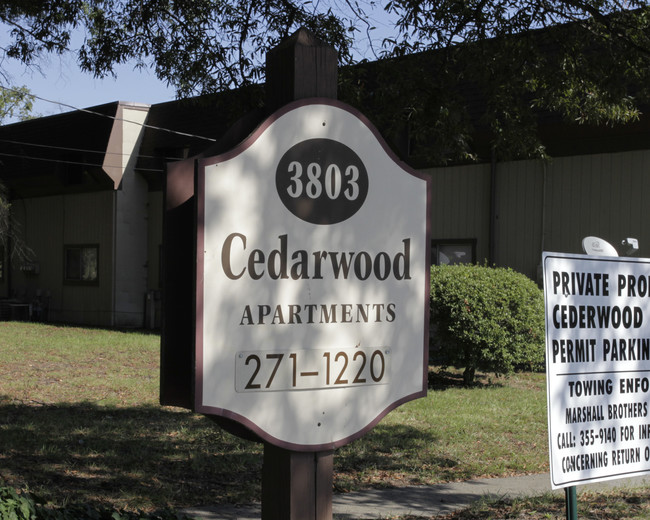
(87, 111)
(62, 161)
(81, 150)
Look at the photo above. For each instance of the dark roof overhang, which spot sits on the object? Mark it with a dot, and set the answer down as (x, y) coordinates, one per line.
(64, 153)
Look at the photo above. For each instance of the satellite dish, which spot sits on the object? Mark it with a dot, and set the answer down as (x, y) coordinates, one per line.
(598, 247)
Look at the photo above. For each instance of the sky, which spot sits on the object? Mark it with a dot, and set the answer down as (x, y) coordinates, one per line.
(60, 80)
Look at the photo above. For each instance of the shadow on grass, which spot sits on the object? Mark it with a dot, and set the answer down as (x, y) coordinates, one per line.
(390, 455)
(145, 458)
(439, 379)
(151, 458)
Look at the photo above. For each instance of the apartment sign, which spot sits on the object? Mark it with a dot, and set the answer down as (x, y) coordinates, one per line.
(598, 367)
(312, 279)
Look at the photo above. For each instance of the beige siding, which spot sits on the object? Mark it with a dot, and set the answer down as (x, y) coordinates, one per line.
(40, 225)
(460, 205)
(116, 221)
(547, 206)
(518, 223)
(155, 216)
(131, 221)
(88, 220)
(153, 308)
(539, 206)
(601, 195)
(47, 225)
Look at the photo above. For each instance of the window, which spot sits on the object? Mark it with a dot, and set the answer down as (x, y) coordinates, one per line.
(81, 264)
(462, 251)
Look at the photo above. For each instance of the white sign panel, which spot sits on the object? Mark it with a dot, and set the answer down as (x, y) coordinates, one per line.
(312, 279)
(598, 367)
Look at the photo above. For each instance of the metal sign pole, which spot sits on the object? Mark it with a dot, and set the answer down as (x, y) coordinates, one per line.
(571, 499)
(571, 503)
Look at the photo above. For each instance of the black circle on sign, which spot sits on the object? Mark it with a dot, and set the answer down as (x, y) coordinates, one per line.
(321, 181)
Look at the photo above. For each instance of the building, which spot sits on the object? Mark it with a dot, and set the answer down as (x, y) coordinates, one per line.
(86, 189)
(78, 204)
(510, 212)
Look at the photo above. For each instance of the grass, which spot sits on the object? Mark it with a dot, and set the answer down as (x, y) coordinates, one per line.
(48, 364)
(496, 428)
(80, 422)
(631, 504)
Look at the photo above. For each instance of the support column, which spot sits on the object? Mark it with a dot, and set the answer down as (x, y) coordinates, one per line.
(297, 485)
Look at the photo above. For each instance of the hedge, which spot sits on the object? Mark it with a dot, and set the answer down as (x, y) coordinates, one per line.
(486, 318)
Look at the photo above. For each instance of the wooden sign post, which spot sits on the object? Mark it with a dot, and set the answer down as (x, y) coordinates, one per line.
(310, 287)
(298, 484)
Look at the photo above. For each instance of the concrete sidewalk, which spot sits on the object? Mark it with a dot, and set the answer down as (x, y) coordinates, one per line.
(426, 501)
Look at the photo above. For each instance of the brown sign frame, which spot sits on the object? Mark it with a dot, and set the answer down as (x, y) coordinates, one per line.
(200, 369)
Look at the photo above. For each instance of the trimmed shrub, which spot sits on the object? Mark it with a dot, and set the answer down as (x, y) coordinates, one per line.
(486, 318)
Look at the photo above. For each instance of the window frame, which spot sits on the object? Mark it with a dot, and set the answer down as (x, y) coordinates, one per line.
(80, 281)
(436, 243)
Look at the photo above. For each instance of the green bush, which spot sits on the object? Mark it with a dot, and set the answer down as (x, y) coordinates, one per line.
(16, 505)
(485, 318)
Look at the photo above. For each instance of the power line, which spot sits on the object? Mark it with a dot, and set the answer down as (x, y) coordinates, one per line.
(63, 161)
(87, 111)
(81, 150)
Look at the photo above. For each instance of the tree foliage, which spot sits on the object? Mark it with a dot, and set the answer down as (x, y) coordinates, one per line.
(15, 102)
(495, 67)
(198, 46)
(486, 318)
(479, 66)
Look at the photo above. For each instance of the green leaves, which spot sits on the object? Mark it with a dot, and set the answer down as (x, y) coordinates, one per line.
(14, 506)
(200, 46)
(504, 68)
(479, 78)
(38, 27)
(486, 318)
(16, 102)
(22, 506)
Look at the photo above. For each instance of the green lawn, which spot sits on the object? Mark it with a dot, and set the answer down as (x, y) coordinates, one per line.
(80, 421)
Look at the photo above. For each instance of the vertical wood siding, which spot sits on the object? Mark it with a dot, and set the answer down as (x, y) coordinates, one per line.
(47, 225)
(40, 225)
(539, 206)
(518, 226)
(154, 239)
(88, 220)
(548, 206)
(460, 205)
(602, 195)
